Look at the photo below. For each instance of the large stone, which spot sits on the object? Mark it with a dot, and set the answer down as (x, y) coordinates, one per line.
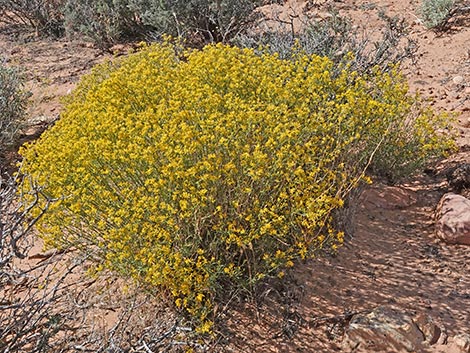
(389, 330)
(453, 219)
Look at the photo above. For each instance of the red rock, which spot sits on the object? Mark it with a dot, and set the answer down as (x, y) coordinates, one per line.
(453, 219)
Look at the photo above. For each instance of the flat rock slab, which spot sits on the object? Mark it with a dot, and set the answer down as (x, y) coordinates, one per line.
(389, 330)
(453, 219)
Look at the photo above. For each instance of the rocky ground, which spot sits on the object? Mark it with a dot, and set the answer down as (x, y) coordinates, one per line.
(392, 261)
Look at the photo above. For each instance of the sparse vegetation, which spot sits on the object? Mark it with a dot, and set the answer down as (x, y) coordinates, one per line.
(45, 16)
(107, 22)
(26, 316)
(104, 22)
(196, 21)
(203, 21)
(436, 14)
(13, 101)
(336, 38)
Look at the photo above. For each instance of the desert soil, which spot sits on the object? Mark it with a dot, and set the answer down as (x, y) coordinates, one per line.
(392, 258)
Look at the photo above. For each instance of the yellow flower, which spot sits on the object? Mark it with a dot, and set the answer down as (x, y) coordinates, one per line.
(185, 167)
(200, 297)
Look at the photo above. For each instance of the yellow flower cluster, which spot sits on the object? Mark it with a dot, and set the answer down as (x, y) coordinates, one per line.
(194, 170)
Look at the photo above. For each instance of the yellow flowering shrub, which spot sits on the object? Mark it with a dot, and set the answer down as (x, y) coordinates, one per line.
(199, 171)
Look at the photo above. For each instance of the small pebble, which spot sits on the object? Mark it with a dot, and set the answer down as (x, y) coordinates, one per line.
(458, 80)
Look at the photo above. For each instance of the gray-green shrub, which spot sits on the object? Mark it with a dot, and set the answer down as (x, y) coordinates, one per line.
(13, 101)
(198, 21)
(335, 37)
(436, 14)
(45, 16)
(208, 20)
(104, 22)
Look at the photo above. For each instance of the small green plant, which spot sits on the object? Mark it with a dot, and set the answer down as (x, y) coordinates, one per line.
(201, 172)
(436, 14)
(13, 102)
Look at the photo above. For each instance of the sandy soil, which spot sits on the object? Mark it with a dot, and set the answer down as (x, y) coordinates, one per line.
(52, 67)
(393, 257)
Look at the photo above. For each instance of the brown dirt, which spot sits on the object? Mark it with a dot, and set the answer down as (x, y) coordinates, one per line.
(52, 67)
(392, 258)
